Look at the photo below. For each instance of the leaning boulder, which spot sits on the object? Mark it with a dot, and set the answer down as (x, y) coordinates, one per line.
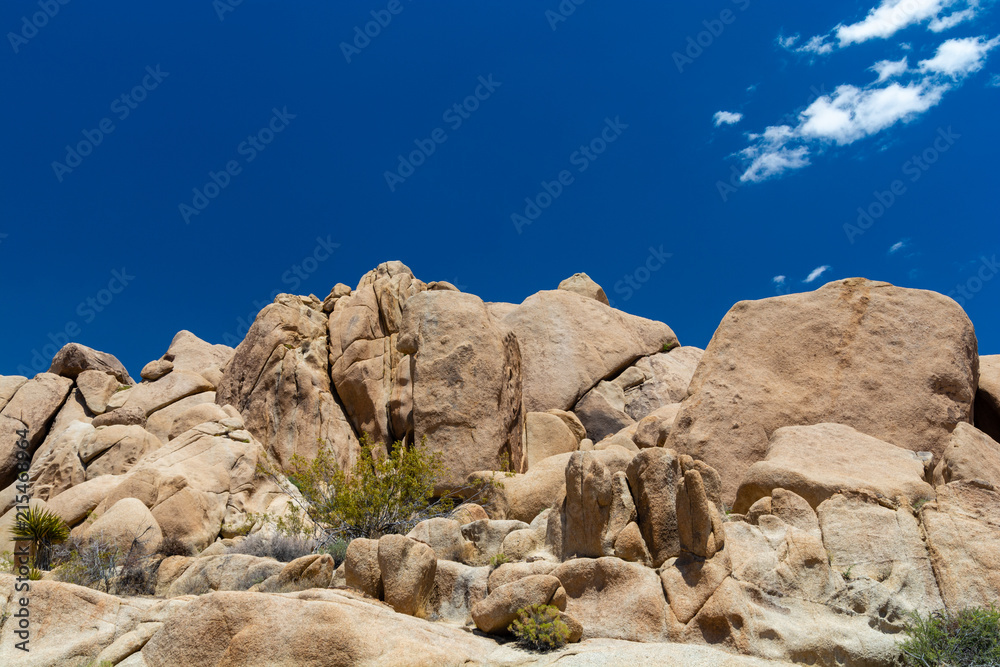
(971, 455)
(74, 359)
(407, 568)
(26, 417)
(495, 613)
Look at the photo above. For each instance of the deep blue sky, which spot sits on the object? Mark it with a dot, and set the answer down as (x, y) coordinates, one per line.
(323, 176)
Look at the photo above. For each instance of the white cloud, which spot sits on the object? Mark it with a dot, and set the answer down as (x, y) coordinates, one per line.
(885, 20)
(816, 273)
(726, 118)
(995, 81)
(897, 246)
(889, 69)
(779, 280)
(960, 57)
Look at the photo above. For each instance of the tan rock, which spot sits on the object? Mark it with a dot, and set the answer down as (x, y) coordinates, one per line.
(128, 522)
(699, 526)
(963, 540)
(363, 330)
(572, 422)
(76, 502)
(339, 290)
(667, 377)
(793, 510)
(444, 536)
(73, 410)
(113, 450)
(97, 388)
(408, 569)
(569, 343)
(466, 384)
(970, 455)
(197, 414)
(56, 465)
(630, 546)
(468, 512)
(9, 384)
(495, 613)
(121, 417)
(853, 352)
(153, 396)
(310, 571)
(74, 358)
(361, 567)
(156, 369)
(583, 285)
(598, 506)
(689, 582)
(279, 381)
(602, 411)
(653, 430)
(620, 440)
(546, 435)
(180, 575)
(987, 406)
(614, 599)
(187, 352)
(818, 461)
(161, 423)
(486, 538)
(653, 476)
(31, 409)
(457, 588)
(401, 401)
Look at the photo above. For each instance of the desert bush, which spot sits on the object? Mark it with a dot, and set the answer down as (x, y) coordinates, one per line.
(498, 560)
(43, 529)
(337, 548)
(103, 564)
(539, 628)
(279, 546)
(969, 638)
(171, 546)
(383, 493)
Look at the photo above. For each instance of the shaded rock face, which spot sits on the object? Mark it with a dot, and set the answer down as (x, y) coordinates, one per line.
(825, 356)
(570, 342)
(971, 455)
(26, 418)
(74, 358)
(466, 384)
(666, 378)
(363, 330)
(988, 396)
(278, 380)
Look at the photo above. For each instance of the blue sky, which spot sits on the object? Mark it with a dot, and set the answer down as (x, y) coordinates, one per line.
(174, 166)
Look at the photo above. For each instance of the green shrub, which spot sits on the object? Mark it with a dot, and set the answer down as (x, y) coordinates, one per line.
(969, 638)
(539, 628)
(43, 529)
(337, 548)
(498, 560)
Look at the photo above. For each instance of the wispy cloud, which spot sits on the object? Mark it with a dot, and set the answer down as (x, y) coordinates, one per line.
(889, 69)
(897, 246)
(779, 280)
(995, 81)
(726, 118)
(885, 20)
(816, 273)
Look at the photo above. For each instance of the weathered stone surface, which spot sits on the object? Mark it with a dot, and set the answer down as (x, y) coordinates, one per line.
(113, 450)
(9, 384)
(466, 384)
(602, 411)
(162, 422)
(970, 455)
(667, 377)
(278, 379)
(153, 396)
(122, 417)
(126, 522)
(97, 388)
(401, 401)
(444, 536)
(495, 613)
(630, 546)
(583, 285)
(156, 369)
(546, 435)
(76, 502)
(699, 526)
(987, 397)
(469, 512)
(598, 506)
(408, 569)
(963, 540)
(363, 330)
(569, 343)
(615, 599)
(653, 430)
(653, 476)
(361, 567)
(529, 543)
(853, 352)
(486, 538)
(457, 588)
(310, 571)
(187, 352)
(689, 582)
(74, 358)
(818, 461)
(29, 411)
(182, 575)
(56, 465)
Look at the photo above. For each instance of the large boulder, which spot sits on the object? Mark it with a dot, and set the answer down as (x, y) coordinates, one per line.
(183, 575)
(309, 571)
(9, 384)
(653, 476)
(570, 342)
(27, 417)
(666, 378)
(598, 506)
(971, 455)
(853, 352)
(76, 502)
(988, 396)
(167, 424)
(442, 535)
(495, 613)
(153, 396)
(466, 374)
(547, 434)
(361, 568)
(819, 461)
(602, 411)
(127, 524)
(56, 465)
(279, 380)
(187, 352)
(457, 589)
(113, 450)
(75, 358)
(408, 569)
(96, 388)
(364, 362)
(584, 285)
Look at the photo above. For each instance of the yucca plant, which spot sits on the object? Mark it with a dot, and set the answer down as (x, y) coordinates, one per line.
(43, 529)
